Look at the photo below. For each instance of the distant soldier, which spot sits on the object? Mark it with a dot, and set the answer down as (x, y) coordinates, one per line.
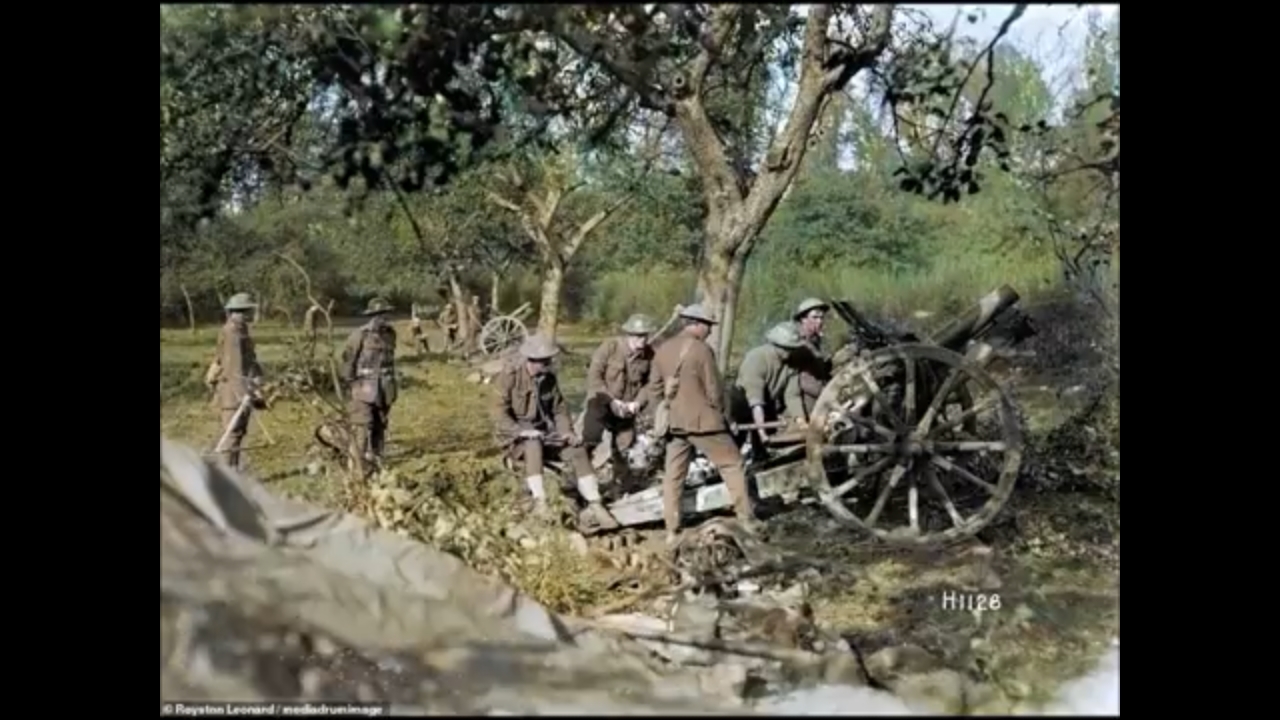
(532, 421)
(448, 321)
(815, 364)
(234, 376)
(369, 368)
(309, 323)
(690, 414)
(617, 390)
(770, 380)
(416, 334)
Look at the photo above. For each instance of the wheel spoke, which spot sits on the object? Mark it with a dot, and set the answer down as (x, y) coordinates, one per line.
(968, 446)
(857, 449)
(859, 475)
(946, 464)
(931, 478)
(939, 400)
(894, 478)
(909, 392)
(913, 504)
(963, 417)
(881, 403)
(873, 426)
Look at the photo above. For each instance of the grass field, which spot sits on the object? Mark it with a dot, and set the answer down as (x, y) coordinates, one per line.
(1053, 560)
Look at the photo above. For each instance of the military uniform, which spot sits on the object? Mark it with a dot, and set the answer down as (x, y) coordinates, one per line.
(532, 421)
(448, 321)
(687, 381)
(416, 334)
(815, 364)
(769, 379)
(369, 368)
(233, 375)
(617, 389)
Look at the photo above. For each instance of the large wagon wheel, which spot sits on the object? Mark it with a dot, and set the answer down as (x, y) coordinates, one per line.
(911, 423)
(502, 333)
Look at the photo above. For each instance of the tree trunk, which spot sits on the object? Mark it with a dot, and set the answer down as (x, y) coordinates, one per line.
(718, 289)
(495, 292)
(466, 333)
(191, 310)
(549, 307)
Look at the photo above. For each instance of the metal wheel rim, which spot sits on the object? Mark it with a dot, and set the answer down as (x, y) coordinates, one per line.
(501, 333)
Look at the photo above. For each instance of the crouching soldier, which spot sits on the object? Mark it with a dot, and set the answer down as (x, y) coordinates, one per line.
(369, 368)
(690, 395)
(233, 376)
(532, 421)
(617, 381)
(814, 363)
(769, 378)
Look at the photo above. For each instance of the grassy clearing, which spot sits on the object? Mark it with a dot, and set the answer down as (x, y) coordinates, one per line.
(1055, 558)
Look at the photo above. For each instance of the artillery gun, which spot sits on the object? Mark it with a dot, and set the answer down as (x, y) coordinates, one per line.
(904, 419)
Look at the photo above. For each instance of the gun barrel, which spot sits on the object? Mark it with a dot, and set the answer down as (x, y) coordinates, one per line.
(957, 334)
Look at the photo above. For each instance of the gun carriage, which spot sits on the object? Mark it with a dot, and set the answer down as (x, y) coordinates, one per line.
(912, 440)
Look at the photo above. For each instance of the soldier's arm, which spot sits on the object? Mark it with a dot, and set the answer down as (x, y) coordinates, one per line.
(214, 373)
(751, 378)
(792, 393)
(595, 371)
(503, 421)
(251, 366)
(351, 355)
(655, 387)
(645, 396)
(712, 383)
(560, 411)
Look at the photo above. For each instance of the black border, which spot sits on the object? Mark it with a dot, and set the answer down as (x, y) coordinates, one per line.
(1181, 176)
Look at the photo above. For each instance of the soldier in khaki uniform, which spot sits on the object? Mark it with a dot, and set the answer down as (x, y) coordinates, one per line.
(234, 375)
(617, 385)
(690, 395)
(416, 334)
(532, 421)
(815, 364)
(369, 368)
(448, 321)
(770, 380)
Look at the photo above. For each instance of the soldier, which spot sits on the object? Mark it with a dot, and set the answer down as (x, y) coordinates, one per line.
(234, 375)
(815, 365)
(690, 394)
(617, 384)
(419, 338)
(532, 421)
(769, 378)
(448, 321)
(369, 368)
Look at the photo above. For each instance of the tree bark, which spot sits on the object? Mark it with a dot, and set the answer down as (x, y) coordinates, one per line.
(549, 306)
(191, 310)
(457, 296)
(495, 292)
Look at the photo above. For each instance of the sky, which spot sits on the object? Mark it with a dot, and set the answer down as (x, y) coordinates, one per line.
(1050, 34)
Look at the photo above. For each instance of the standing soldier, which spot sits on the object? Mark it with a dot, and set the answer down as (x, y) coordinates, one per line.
(815, 365)
(369, 368)
(234, 375)
(419, 338)
(617, 383)
(769, 378)
(448, 321)
(690, 415)
(532, 421)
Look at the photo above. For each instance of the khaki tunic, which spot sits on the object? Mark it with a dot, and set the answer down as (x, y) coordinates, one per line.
(526, 402)
(620, 374)
(368, 365)
(698, 406)
(235, 360)
(768, 380)
(814, 364)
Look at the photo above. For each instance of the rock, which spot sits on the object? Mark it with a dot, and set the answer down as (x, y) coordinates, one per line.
(579, 544)
(475, 377)
(888, 664)
(938, 692)
(725, 679)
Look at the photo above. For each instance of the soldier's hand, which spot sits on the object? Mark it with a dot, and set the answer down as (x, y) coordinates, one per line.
(573, 440)
(530, 434)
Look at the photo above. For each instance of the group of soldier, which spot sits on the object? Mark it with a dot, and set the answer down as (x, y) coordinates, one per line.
(677, 390)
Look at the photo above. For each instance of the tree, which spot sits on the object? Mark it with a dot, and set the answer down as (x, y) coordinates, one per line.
(543, 193)
(676, 60)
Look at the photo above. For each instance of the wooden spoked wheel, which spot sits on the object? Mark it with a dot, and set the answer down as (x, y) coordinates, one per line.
(914, 445)
(501, 334)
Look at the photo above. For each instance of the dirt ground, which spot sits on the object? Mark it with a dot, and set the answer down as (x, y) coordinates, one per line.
(1051, 559)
